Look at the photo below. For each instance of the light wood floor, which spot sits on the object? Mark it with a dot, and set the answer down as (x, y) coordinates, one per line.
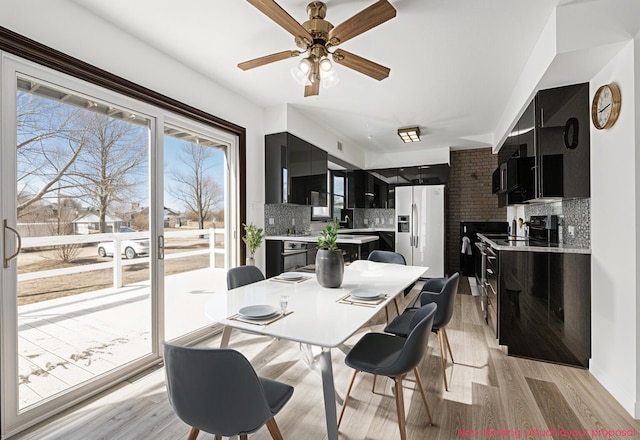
(488, 390)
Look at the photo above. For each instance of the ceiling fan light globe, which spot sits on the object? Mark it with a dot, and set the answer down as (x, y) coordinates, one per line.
(329, 79)
(325, 65)
(300, 77)
(305, 65)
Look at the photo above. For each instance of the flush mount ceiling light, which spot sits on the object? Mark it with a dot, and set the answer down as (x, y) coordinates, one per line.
(316, 36)
(410, 134)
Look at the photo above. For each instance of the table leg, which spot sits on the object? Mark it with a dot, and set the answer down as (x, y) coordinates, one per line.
(328, 389)
(226, 335)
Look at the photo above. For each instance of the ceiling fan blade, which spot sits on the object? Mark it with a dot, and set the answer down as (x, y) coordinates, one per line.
(362, 65)
(364, 20)
(268, 59)
(275, 12)
(313, 89)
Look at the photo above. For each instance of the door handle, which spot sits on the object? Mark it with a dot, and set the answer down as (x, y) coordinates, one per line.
(7, 260)
(160, 247)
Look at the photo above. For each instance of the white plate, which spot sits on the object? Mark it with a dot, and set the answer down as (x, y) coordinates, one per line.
(258, 311)
(291, 276)
(366, 294)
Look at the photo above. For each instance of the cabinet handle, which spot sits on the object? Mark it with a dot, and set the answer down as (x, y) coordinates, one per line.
(7, 260)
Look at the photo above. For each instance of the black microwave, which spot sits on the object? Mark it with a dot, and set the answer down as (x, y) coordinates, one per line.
(515, 176)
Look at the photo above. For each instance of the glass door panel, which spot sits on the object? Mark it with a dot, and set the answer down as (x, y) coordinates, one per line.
(82, 211)
(195, 226)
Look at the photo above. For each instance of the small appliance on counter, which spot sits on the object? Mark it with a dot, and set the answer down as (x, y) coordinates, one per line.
(544, 228)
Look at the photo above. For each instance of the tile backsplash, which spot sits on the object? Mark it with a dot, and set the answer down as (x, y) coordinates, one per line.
(575, 213)
(285, 217)
(299, 217)
(373, 218)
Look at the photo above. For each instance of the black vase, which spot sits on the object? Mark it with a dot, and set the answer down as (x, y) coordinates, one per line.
(329, 268)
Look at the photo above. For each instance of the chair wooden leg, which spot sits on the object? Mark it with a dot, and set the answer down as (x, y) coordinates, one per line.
(346, 398)
(217, 437)
(424, 396)
(245, 437)
(193, 433)
(272, 426)
(386, 313)
(446, 338)
(443, 360)
(395, 301)
(373, 387)
(400, 408)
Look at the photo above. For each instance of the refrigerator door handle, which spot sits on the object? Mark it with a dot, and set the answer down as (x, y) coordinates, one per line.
(414, 212)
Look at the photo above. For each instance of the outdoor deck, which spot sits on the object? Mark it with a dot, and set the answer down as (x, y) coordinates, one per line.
(66, 341)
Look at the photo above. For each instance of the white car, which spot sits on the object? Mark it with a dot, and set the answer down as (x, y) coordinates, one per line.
(129, 248)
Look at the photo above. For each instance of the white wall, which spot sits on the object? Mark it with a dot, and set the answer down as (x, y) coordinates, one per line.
(615, 222)
(70, 29)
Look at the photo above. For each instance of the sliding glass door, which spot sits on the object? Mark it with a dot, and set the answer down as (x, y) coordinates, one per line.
(197, 211)
(117, 225)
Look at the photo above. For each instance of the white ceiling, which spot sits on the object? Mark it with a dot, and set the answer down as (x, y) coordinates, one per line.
(454, 63)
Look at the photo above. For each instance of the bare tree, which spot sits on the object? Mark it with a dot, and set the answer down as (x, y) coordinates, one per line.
(193, 183)
(66, 210)
(48, 143)
(112, 166)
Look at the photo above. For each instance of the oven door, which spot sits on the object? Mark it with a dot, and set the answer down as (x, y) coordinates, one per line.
(294, 255)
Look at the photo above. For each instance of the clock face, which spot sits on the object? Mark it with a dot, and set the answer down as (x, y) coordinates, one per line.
(606, 106)
(605, 102)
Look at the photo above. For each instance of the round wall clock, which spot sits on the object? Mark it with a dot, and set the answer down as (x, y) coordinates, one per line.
(605, 107)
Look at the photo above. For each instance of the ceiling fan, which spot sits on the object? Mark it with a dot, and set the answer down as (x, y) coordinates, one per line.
(316, 37)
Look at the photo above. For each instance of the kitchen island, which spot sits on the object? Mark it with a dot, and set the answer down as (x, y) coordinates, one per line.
(292, 252)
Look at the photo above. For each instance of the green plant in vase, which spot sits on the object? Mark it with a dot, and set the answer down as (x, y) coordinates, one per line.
(329, 260)
(329, 237)
(253, 239)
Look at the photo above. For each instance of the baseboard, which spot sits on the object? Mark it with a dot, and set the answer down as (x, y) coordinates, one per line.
(620, 393)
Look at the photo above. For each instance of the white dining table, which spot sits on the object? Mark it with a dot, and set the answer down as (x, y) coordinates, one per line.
(318, 317)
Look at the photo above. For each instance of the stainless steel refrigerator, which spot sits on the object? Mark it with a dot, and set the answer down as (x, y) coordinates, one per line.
(420, 226)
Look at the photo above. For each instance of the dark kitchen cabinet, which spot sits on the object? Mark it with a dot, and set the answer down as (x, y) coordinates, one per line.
(295, 171)
(545, 306)
(547, 153)
(366, 190)
(516, 174)
(563, 144)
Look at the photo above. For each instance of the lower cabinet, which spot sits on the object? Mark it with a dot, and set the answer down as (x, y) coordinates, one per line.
(545, 306)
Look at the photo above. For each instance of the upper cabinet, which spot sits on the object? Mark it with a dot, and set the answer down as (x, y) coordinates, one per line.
(547, 153)
(295, 171)
(366, 189)
(563, 142)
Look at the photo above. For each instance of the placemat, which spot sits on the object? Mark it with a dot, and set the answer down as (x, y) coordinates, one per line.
(283, 280)
(238, 317)
(348, 299)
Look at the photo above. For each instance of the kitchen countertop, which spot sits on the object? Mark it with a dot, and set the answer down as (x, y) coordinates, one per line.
(342, 238)
(524, 245)
(381, 229)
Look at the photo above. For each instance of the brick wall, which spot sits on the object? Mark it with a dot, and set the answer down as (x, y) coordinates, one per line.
(470, 197)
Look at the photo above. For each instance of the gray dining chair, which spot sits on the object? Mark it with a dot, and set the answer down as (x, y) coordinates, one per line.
(388, 257)
(394, 356)
(243, 275)
(216, 390)
(441, 291)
